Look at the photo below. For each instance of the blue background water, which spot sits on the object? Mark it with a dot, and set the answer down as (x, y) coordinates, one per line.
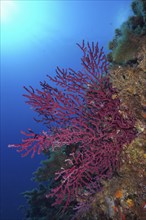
(36, 36)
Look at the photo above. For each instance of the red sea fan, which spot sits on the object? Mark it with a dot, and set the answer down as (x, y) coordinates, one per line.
(84, 112)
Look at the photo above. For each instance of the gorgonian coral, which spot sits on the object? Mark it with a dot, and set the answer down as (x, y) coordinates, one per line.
(84, 111)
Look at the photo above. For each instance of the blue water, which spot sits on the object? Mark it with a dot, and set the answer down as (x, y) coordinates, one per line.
(36, 36)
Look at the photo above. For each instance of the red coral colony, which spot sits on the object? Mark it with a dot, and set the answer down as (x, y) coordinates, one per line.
(83, 111)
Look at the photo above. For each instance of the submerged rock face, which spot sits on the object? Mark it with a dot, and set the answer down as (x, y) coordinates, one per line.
(130, 81)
